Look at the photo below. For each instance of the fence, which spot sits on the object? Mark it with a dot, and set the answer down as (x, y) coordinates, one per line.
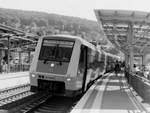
(15, 68)
(22, 67)
(140, 84)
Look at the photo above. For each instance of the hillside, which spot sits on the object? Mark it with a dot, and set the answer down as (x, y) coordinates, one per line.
(41, 23)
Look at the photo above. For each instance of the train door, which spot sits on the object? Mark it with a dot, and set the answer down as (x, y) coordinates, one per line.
(83, 66)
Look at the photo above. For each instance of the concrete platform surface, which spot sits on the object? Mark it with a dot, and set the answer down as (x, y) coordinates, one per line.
(13, 79)
(110, 94)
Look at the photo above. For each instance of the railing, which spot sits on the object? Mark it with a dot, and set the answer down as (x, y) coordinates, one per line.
(141, 85)
(15, 68)
(143, 78)
(23, 67)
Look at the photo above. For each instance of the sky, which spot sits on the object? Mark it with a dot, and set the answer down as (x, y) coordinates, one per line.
(76, 8)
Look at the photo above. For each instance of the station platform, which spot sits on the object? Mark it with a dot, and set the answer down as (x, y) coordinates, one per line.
(13, 79)
(13, 74)
(110, 94)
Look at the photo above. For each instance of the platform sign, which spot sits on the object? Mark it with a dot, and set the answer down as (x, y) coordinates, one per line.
(137, 60)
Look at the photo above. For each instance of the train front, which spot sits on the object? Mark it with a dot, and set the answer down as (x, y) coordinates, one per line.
(50, 65)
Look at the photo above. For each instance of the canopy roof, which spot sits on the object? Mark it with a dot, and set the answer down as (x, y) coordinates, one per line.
(17, 38)
(118, 25)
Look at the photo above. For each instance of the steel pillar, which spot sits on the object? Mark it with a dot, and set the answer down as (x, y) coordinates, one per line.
(20, 58)
(131, 51)
(29, 54)
(127, 61)
(8, 67)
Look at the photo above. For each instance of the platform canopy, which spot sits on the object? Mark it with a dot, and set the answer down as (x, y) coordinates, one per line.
(125, 28)
(16, 38)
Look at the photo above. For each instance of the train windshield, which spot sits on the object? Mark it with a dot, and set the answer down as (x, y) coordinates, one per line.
(56, 50)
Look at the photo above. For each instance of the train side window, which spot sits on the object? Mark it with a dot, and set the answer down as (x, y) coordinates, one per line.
(82, 55)
(91, 59)
(82, 61)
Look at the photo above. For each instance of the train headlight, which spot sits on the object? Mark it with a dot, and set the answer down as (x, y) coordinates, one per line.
(68, 79)
(52, 64)
(33, 75)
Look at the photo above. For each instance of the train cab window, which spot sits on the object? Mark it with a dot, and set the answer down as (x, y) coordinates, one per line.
(56, 50)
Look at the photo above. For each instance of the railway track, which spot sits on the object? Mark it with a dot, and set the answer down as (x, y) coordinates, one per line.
(11, 89)
(51, 104)
(10, 95)
(19, 99)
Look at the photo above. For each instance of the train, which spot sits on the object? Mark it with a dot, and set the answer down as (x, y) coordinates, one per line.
(66, 65)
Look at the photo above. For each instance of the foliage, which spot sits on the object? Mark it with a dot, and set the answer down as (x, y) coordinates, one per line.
(29, 20)
(41, 23)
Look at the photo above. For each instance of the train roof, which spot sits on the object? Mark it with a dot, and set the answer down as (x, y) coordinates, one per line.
(71, 37)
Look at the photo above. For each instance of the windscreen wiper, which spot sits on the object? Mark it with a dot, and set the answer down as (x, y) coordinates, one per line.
(45, 61)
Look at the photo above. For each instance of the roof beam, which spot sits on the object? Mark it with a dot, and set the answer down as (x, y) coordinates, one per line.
(118, 22)
(10, 29)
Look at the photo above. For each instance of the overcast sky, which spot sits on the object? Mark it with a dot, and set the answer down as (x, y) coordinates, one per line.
(77, 8)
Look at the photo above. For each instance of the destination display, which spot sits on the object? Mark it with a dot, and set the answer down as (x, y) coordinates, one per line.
(55, 42)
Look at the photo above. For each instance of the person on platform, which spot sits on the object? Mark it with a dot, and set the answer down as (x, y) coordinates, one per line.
(117, 68)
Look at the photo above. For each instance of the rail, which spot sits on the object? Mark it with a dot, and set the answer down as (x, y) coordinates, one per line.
(15, 93)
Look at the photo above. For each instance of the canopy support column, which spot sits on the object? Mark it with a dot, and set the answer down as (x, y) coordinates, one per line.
(131, 52)
(8, 57)
(127, 61)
